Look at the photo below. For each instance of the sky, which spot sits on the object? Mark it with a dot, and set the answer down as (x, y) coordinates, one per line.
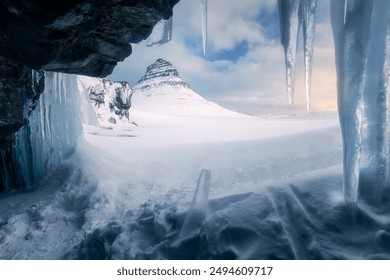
(243, 69)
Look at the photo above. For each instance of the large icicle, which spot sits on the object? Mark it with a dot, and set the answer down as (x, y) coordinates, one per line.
(374, 163)
(203, 10)
(161, 34)
(309, 17)
(360, 29)
(198, 209)
(290, 20)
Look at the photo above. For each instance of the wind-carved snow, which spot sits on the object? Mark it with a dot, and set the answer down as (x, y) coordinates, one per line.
(161, 34)
(361, 36)
(203, 11)
(292, 14)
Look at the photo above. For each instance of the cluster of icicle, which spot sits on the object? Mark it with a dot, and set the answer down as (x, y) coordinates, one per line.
(294, 14)
(361, 31)
(162, 32)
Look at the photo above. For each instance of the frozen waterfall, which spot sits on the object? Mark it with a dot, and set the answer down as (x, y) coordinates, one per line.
(51, 134)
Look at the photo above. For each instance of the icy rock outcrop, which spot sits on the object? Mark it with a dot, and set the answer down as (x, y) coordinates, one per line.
(361, 32)
(50, 135)
(111, 101)
(292, 14)
(80, 37)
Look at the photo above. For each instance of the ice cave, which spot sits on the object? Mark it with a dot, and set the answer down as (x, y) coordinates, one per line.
(103, 170)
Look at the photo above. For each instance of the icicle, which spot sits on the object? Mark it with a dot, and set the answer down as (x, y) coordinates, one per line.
(161, 34)
(198, 209)
(203, 10)
(374, 146)
(290, 20)
(309, 16)
(387, 89)
(345, 10)
(361, 61)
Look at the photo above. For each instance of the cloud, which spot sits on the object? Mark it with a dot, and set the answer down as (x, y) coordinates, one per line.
(255, 80)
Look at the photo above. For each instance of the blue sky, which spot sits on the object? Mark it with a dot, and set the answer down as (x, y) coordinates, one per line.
(243, 69)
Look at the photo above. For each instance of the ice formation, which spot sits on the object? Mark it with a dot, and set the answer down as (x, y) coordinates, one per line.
(309, 17)
(203, 10)
(161, 34)
(362, 43)
(198, 209)
(292, 14)
(51, 134)
(361, 36)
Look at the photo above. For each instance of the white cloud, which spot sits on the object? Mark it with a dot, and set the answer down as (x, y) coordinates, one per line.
(256, 81)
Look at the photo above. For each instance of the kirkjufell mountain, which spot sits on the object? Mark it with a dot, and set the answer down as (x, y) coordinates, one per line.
(162, 90)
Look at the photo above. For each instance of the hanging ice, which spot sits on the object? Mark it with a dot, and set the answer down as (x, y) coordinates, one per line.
(198, 209)
(203, 10)
(51, 134)
(292, 14)
(289, 28)
(309, 17)
(161, 34)
(361, 35)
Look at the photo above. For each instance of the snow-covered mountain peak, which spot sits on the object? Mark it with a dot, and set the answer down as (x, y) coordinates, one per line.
(158, 74)
(162, 90)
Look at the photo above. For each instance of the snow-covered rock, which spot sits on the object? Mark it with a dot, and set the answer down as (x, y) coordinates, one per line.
(105, 100)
